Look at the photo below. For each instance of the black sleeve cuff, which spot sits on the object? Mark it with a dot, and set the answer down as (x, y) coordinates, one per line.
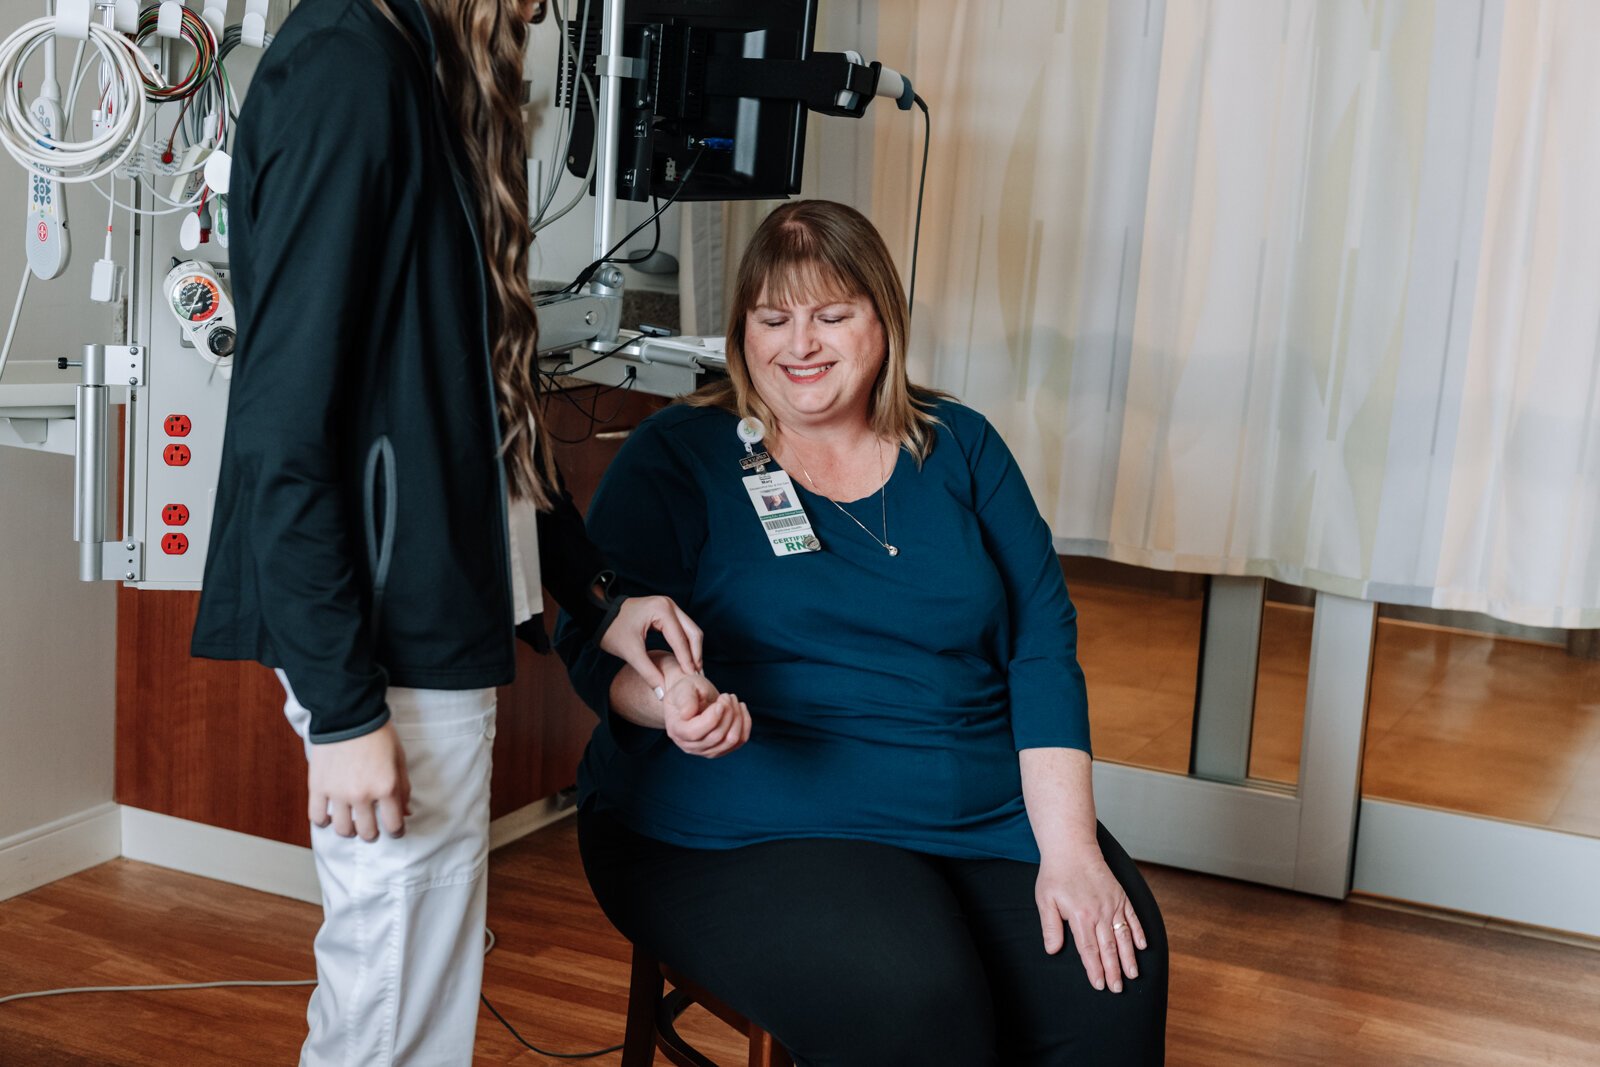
(333, 736)
(533, 634)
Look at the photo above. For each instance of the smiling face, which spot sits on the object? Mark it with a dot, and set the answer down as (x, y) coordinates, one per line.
(814, 355)
(817, 327)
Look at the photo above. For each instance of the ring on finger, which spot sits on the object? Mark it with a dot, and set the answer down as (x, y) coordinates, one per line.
(1118, 926)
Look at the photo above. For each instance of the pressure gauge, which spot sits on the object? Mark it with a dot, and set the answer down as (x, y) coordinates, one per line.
(196, 298)
(199, 300)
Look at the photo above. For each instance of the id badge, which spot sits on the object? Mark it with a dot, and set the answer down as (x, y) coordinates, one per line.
(783, 518)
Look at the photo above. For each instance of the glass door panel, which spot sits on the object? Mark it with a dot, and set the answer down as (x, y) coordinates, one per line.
(1487, 724)
(1139, 644)
(1281, 678)
(1187, 773)
(1481, 777)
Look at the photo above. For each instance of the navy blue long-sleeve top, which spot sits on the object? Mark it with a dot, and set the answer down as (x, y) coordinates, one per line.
(889, 696)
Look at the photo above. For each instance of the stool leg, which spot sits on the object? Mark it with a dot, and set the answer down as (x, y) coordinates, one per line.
(765, 1052)
(644, 996)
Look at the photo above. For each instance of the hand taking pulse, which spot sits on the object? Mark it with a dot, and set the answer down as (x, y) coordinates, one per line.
(625, 637)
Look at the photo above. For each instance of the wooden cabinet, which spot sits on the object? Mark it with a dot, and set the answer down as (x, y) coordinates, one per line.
(207, 741)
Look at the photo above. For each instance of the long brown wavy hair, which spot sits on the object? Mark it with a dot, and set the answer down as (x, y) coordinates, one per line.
(479, 44)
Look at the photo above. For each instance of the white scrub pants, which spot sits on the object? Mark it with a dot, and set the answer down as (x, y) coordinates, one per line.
(400, 952)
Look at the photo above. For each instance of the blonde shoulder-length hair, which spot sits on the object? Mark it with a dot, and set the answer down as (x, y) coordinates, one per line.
(819, 250)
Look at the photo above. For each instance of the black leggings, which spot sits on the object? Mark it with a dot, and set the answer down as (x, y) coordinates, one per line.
(854, 953)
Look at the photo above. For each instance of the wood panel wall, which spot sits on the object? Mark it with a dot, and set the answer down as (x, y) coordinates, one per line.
(207, 741)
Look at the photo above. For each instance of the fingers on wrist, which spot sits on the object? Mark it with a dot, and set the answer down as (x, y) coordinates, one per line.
(673, 683)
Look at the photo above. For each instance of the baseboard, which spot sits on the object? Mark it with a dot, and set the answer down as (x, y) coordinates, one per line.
(226, 855)
(525, 820)
(66, 846)
(270, 866)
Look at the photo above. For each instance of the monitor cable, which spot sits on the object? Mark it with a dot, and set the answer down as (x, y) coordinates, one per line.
(922, 185)
(588, 272)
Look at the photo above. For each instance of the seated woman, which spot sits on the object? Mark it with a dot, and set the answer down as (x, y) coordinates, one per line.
(880, 860)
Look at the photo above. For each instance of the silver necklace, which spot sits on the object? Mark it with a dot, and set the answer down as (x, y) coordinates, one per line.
(883, 506)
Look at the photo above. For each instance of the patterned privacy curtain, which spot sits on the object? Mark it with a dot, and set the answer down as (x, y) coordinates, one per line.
(1302, 290)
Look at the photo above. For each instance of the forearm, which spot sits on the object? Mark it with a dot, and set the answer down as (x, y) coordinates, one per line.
(634, 699)
(570, 564)
(312, 610)
(1058, 791)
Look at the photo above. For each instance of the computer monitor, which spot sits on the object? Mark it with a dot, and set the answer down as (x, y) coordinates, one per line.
(690, 102)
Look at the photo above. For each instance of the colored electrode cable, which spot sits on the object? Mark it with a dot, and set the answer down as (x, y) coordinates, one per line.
(197, 32)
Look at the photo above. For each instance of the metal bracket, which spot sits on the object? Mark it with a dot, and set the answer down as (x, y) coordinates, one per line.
(568, 320)
(122, 560)
(33, 432)
(125, 364)
(608, 65)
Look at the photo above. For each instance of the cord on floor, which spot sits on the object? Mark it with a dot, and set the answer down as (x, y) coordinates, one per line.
(489, 941)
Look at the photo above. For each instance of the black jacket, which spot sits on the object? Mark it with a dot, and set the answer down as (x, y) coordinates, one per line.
(359, 535)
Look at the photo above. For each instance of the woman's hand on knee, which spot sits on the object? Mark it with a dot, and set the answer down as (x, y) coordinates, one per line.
(702, 721)
(360, 785)
(1080, 894)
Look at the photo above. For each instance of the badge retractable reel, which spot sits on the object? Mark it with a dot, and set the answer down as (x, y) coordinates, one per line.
(777, 504)
(199, 298)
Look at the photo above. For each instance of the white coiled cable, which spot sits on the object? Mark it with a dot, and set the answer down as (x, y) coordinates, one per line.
(75, 161)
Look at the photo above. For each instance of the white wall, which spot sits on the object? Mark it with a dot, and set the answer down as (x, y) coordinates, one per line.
(57, 653)
(57, 635)
(57, 683)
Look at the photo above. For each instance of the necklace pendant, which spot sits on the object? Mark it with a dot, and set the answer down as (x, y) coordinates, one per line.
(893, 551)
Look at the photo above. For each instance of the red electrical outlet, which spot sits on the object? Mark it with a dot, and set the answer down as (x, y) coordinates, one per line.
(175, 515)
(178, 425)
(176, 455)
(174, 544)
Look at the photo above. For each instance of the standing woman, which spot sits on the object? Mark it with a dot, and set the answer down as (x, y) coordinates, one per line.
(388, 506)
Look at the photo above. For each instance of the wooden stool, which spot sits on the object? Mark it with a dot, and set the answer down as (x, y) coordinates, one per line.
(652, 1018)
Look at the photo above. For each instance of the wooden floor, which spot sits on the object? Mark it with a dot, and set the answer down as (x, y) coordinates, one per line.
(1259, 976)
(1469, 722)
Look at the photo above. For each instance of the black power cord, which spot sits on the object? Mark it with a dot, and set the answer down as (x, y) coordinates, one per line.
(601, 358)
(489, 943)
(922, 184)
(545, 1052)
(592, 412)
(588, 272)
(655, 242)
